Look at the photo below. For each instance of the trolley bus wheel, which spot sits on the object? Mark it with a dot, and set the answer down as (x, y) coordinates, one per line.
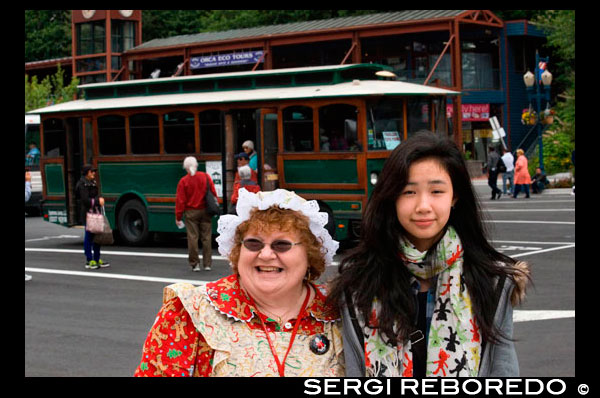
(133, 223)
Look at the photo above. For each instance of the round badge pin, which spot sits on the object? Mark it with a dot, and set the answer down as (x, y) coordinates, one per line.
(319, 344)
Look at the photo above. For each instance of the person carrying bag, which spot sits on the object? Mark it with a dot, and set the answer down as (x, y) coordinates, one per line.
(91, 216)
(195, 205)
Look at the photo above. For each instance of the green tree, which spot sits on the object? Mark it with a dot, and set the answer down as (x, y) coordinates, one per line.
(47, 34)
(51, 90)
(560, 141)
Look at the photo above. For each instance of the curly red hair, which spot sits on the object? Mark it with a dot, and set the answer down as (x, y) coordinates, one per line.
(277, 219)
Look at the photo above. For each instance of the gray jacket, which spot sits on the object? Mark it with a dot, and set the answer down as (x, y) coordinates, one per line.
(498, 360)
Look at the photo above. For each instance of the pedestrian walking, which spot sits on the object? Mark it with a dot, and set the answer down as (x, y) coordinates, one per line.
(522, 177)
(27, 196)
(493, 158)
(509, 174)
(190, 205)
(424, 293)
(86, 191)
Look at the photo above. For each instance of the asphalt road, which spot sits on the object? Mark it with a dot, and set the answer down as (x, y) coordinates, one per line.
(93, 323)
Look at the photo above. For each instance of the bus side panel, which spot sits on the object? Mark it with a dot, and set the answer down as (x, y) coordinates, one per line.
(55, 180)
(335, 182)
(55, 210)
(320, 171)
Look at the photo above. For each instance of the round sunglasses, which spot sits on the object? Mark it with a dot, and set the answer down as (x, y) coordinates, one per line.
(278, 246)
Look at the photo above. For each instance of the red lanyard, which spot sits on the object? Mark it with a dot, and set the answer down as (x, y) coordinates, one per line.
(281, 365)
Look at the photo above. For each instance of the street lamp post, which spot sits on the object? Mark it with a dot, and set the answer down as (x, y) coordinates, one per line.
(538, 80)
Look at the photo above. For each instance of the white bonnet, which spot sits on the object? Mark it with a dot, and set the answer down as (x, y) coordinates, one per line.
(284, 199)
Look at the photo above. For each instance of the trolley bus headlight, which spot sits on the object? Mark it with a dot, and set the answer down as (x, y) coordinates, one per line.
(374, 178)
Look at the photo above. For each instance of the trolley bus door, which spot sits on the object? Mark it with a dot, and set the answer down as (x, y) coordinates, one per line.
(268, 149)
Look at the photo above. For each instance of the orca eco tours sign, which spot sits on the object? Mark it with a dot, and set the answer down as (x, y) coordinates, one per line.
(237, 58)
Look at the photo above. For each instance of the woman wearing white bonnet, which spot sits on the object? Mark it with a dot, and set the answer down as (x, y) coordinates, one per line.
(268, 318)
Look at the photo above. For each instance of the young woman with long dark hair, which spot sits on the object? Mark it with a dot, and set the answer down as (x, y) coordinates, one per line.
(424, 293)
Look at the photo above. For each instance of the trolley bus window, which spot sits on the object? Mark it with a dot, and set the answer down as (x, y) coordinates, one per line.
(210, 131)
(385, 115)
(298, 129)
(337, 128)
(111, 135)
(179, 132)
(144, 133)
(418, 110)
(54, 138)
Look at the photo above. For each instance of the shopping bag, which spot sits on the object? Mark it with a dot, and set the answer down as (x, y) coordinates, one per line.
(94, 221)
(106, 236)
(212, 204)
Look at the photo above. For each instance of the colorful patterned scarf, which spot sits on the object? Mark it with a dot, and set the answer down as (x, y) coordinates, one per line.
(454, 341)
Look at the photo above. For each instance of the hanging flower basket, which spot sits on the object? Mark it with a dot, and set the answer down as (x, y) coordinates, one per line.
(548, 120)
(529, 117)
(548, 116)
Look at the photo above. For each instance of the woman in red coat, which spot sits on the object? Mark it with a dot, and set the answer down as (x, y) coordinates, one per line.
(522, 177)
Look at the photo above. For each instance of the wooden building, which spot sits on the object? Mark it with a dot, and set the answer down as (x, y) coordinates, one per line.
(471, 51)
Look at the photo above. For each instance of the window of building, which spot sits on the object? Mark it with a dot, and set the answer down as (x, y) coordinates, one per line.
(385, 123)
(179, 132)
(91, 38)
(122, 35)
(54, 138)
(298, 129)
(337, 128)
(143, 128)
(111, 135)
(210, 131)
(480, 64)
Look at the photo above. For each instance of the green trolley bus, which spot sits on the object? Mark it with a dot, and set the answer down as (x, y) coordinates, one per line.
(323, 132)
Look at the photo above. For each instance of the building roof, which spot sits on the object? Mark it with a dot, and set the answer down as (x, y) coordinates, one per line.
(299, 27)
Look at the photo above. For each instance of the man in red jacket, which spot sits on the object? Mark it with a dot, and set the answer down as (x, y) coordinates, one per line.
(190, 202)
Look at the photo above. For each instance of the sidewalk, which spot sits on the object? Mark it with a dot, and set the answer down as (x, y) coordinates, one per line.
(483, 180)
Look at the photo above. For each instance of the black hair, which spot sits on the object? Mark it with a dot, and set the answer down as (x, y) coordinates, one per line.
(374, 270)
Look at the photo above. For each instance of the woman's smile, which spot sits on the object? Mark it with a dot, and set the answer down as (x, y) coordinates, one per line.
(267, 273)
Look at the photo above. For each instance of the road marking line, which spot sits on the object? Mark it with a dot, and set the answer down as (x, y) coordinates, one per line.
(54, 237)
(124, 253)
(532, 243)
(542, 251)
(523, 210)
(535, 315)
(518, 316)
(510, 202)
(529, 222)
(114, 276)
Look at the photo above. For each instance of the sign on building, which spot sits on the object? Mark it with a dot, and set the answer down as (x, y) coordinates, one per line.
(237, 58)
